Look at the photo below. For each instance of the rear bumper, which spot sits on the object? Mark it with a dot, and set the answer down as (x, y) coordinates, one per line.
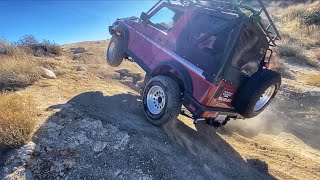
(200, 111)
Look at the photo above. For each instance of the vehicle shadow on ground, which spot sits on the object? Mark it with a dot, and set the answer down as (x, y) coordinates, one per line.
(178, 150)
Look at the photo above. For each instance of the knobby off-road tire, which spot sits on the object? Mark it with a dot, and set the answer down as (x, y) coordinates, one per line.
(115, 51)
(161, 89)
(264, 83)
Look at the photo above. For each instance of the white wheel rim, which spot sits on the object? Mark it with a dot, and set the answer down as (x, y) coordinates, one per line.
(110, 50)
(156, 100)
(265, 98)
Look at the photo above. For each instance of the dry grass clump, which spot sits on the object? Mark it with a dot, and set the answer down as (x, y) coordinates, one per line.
(17, 119)
(17, 70)
(313, 80)
(45, 48)
(293, 53)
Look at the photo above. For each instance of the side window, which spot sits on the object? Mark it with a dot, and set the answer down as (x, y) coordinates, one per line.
(164, 19)
(248, 52)
(204, 40)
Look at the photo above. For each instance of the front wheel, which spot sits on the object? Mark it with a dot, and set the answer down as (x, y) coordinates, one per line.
(161, 100)
(115, 52)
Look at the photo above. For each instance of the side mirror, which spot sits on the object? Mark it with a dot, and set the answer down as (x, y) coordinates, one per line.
(144, 17)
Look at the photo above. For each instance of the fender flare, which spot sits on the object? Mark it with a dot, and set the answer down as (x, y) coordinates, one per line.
(179, 69)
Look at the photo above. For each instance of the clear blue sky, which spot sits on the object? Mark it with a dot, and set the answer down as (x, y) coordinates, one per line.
(65, 21)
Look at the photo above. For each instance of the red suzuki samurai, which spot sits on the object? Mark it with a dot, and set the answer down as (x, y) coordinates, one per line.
(211, 57)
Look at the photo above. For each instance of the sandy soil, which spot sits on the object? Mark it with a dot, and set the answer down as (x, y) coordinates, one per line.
(91, 126)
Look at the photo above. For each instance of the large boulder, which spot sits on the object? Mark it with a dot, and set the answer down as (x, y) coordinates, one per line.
(46, 73)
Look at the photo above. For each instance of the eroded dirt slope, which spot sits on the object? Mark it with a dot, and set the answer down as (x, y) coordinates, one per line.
(92, 127)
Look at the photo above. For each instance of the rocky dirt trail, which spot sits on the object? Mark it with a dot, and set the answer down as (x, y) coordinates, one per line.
(92, 127)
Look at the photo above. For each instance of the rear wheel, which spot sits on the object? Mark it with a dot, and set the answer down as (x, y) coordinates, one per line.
(115, 52)
(257, 93)
(161, 100)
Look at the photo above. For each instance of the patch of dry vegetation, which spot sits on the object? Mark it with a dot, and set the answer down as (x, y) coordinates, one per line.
(301, 22)
(313, 80)
(17, 119)
(45, 48)
(293, 53)
(299, 26)
(17, 69)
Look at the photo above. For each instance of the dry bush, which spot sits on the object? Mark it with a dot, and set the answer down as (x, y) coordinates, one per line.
(313, 80)
(31, 45)
(17, 119)
(17, 70)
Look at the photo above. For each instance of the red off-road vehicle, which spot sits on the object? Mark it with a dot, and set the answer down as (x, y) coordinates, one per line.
(211, 57)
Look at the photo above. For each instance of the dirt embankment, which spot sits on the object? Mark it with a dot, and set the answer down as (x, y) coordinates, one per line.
(93, 127)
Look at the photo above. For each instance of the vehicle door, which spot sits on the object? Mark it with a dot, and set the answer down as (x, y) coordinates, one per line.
(152, 35)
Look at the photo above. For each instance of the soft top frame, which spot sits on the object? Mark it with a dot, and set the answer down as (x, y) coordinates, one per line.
(236, 7)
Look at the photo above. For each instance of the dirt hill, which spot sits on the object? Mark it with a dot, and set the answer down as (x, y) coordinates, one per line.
(77, 118)
(91, 126)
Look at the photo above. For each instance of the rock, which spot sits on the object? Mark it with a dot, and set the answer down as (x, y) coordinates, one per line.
(99, 146)
(76, 56)
(81, 68)
(24, 153)
(78, 50)
(46, 73)
(39, 52)
(124, 72)
(18, 173)
(139, 84)
(123, 140)
(117, 76)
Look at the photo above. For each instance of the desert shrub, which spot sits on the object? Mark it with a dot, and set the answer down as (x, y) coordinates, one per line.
(17, 119)
(52, 47)
(313, 80)
(45, 48)
(17, 70)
